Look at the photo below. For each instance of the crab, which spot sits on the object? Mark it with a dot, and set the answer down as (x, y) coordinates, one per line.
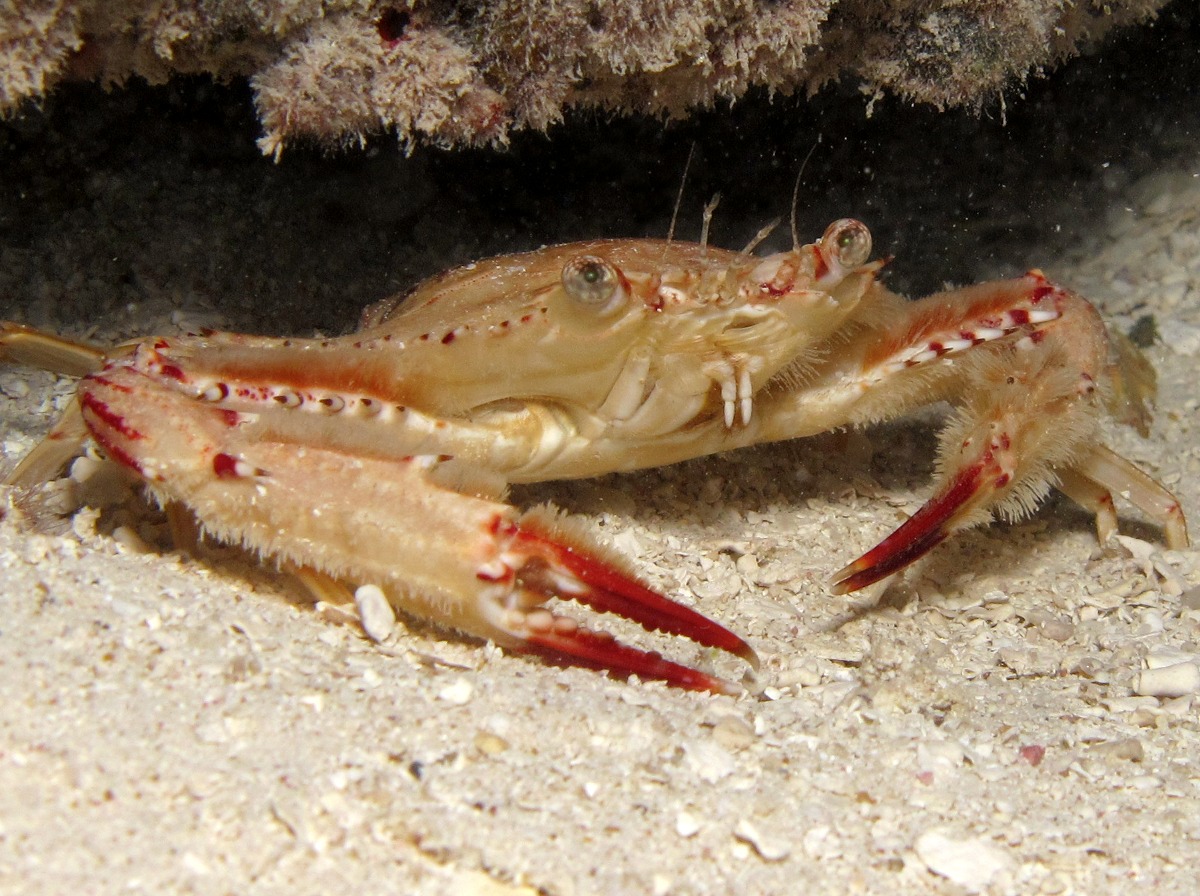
(382, 457)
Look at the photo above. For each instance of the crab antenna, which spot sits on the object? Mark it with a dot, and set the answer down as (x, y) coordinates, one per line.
(796, 193)
(679, 197)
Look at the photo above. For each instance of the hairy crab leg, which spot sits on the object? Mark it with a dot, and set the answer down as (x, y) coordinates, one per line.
(1027, 411)
(410, 526)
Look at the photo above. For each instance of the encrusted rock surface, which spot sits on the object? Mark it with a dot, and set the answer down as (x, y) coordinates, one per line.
(468, 73)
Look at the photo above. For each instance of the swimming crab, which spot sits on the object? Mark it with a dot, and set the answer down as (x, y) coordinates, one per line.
(382, 457)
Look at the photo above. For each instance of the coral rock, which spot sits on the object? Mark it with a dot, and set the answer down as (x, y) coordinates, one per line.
(460, 73)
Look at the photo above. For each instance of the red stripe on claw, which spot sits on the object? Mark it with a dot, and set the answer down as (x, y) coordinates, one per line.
(110, 429)
(110, 417)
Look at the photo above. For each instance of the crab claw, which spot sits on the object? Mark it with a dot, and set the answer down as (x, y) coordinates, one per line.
(1027, 418)
(430, 532)
(1027, 406)
(549, 560)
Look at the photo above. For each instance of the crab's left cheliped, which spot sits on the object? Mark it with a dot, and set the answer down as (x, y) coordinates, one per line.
(417, 526)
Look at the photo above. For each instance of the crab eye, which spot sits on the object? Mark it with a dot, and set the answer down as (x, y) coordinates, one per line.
(848, 241)
(593, 282)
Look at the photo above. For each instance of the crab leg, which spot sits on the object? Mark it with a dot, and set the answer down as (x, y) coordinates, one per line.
(33, 348)
(1105, 471)
(25, 345)
(1027, 410)
(431, 534)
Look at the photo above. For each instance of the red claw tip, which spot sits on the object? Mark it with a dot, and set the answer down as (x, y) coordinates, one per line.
(919, 534)
(556, 567)
(600, 651)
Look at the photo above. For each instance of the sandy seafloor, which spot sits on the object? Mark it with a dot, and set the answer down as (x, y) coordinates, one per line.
(980, 725)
